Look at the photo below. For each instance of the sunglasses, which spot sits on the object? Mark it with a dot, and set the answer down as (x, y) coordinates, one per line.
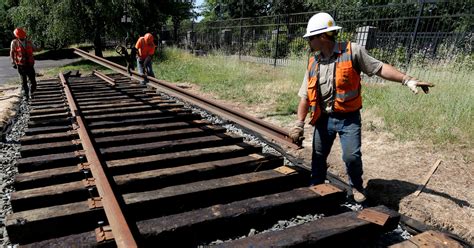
(311, 38)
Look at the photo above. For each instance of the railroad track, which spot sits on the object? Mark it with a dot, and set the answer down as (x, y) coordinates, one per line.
(107, 162)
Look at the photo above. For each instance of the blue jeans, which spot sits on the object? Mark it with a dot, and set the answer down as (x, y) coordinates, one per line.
(149, 69)
(348, 126)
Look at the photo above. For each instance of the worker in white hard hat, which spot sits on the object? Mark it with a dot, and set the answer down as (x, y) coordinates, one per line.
(331, 93)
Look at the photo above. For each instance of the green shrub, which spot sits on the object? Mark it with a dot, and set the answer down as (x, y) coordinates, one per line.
(298, 47)
(262, 49)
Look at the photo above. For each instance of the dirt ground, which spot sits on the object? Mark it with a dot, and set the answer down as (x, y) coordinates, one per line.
(393, 171)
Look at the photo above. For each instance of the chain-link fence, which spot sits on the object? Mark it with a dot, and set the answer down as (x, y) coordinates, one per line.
(424, 37)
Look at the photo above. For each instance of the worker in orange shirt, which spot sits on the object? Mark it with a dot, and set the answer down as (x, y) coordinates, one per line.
(145, 50)
(21, 55)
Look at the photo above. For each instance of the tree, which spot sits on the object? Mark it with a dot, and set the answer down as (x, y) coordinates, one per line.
(57, 23)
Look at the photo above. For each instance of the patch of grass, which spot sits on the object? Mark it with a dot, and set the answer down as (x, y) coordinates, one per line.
(227, 78)
(443, 117)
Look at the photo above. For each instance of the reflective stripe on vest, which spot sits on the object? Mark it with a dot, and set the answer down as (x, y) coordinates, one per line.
(347, 85)
(24, 54)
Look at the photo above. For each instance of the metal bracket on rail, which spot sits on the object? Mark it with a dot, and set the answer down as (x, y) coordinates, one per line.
(83, 166)
(325, 189)
(88, 182)
(373, 216)
(95, 202)
(103, 234)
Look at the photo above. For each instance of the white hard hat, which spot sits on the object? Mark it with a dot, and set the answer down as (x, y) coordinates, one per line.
(320, 23)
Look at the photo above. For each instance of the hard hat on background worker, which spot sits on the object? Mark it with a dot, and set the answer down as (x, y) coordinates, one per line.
(19, 33)
(320, 23)
(149, 38)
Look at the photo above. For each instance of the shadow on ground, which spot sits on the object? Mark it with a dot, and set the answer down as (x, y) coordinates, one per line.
(391, 192)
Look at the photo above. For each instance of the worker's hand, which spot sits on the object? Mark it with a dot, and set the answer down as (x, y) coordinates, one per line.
(297, 132)
(413, 83)
(140, 62)
(14, 66)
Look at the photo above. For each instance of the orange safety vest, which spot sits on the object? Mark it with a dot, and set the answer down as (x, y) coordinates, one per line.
(144, 48)
(347, 84)
(23, 55)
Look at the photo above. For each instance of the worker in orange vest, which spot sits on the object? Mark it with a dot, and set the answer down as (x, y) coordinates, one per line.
(145, 50)
(331, 93)
(21, 54)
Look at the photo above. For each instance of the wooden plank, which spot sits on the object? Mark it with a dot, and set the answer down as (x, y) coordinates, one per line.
(102, 132)
(29, 226)
(202, 193)
(50, 148)
(52, 222)
(207, 224)
(162, 160)
(48, 196)
(47, 177)
(47, 162)
(76, 191)
(429, 238)
(341, 230)
(426, 179)
(142, 120)
(194, 172)
(49, 137)
(167, 146)
(136, 138)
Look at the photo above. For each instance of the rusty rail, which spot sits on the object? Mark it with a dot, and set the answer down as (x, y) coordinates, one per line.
(251, 123)
(104, 77)
(120, 229)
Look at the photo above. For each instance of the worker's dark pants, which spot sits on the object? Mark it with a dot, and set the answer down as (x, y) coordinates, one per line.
(348, 126)
(27, 71)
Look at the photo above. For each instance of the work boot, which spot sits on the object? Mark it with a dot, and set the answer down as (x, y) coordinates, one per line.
(359, 196)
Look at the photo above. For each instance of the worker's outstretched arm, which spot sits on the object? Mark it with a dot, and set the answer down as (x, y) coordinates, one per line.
(389, 72)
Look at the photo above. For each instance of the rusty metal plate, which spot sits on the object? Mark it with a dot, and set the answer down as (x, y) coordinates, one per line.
(103, 233)
(83, 166)
(88, 182)
(285, 170)
(373, 216)
(325, 189)
(95, 202)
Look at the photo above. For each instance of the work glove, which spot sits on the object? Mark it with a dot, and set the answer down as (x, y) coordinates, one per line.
(413, 83)
(14, 66)
(140, 62)
(297, 132)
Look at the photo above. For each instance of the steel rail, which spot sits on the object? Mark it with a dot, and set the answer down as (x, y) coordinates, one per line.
(271, 131)
(104, 77)
(120, 229)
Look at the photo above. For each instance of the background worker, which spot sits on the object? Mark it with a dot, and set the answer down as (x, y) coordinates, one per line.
(21, 55)
(331, 92)
(145, 50)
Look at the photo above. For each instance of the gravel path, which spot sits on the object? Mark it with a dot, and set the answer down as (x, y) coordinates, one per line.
(9, 153)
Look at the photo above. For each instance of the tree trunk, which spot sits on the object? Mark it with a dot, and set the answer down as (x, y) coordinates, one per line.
(97, 45)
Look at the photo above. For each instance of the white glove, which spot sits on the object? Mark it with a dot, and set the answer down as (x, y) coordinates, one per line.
(413, 83)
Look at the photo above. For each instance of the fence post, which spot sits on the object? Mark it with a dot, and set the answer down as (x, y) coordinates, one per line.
(415, 33)
(241, 28)
(276, 41)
